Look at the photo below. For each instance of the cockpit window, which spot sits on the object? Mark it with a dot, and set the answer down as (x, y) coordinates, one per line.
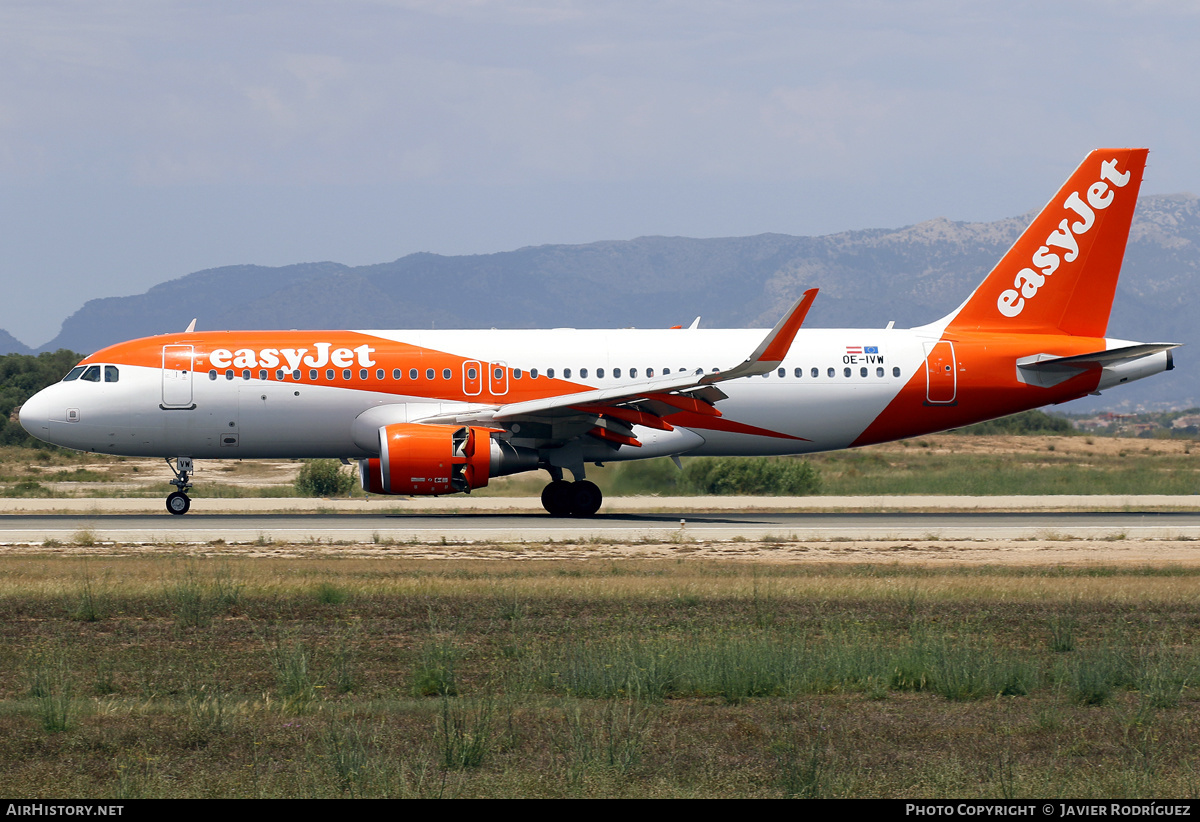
(92, 374)
(111, 374)
(74, 373)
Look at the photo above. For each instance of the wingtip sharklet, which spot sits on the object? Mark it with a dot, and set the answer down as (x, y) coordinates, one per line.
(775, 346)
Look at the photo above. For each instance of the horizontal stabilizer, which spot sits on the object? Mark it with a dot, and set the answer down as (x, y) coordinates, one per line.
(1048, 370)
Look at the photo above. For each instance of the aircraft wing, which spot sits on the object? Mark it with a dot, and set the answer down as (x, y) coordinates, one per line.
(613, 411)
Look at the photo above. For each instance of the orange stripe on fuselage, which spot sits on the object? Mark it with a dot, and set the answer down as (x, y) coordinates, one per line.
(381, 354)
(390, 355)
(987, 385)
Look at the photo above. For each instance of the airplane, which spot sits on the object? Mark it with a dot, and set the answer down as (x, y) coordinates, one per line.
(441, 412)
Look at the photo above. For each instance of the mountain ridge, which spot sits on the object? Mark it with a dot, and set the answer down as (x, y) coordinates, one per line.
(911, 275)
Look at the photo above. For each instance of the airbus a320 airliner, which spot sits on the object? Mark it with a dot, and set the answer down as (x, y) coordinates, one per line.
(438, 412)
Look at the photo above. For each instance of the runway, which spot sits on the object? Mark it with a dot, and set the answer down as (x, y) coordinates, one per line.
(488, 527)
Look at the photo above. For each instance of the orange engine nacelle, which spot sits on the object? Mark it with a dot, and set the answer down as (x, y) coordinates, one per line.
(428, 459)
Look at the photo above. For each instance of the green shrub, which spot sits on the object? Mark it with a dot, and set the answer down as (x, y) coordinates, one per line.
(323, 478)
(761, 476)
(435, 670)
(659, 476)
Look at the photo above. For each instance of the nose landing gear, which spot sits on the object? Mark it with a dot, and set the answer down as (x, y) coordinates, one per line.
(178, 502)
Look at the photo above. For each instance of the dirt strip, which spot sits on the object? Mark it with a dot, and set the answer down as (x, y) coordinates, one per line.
(1067, 552)
(612, 505)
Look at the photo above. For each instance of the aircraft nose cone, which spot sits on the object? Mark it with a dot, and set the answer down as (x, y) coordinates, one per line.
(35, 415)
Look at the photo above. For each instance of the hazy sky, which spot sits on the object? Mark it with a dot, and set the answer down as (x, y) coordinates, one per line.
(146, 139)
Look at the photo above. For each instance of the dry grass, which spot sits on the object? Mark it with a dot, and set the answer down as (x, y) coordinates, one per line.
(307, 677)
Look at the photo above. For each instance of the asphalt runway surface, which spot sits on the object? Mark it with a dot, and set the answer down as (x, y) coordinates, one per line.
(482, 527)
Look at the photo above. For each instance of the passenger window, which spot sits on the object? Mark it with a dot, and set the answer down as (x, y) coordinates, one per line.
(296, 374)
(516, 373)
(599, 373)
(362, 373)
(73, 374)
(472, 373)
(782, 372)
(533, 373)
(345, 373)
(633, 373)
(412, 373)
(862, 372)
(879, 371)
(379, 373)
(566, 374)
(649, 372)
(816, 372)
(245, 373)
(616, 373)
(583, 373)
(92, 374)
(666, 371)
(445, 373)
(831, 372)
(799, 373)
(111, 374)
(312, 373)
(329, 373)
(550, 373)
(429, 373)
(846, 372)
(396, 372)
(212, 375)
(895, 372)
(262, 375)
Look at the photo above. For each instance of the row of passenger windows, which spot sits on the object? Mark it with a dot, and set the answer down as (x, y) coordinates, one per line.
(431, 373)
(472, 374)
(93, 373)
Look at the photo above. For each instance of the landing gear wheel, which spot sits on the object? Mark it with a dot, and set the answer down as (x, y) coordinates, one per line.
(178, 503)
(585, 498)
(556, 498)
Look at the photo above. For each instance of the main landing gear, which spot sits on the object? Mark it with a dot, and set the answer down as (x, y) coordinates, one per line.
(178, 502)
(579, 499)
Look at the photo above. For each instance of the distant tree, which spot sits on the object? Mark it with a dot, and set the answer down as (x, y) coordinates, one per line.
(22, 376)
(1026, 422)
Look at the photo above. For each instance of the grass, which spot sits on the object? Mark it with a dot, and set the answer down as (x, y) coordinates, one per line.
(928, 471)
(623, 679)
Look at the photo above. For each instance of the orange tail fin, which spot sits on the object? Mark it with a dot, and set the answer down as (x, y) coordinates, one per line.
(1060, 276)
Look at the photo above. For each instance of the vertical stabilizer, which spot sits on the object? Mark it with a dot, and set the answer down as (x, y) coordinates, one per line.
(1060, 276)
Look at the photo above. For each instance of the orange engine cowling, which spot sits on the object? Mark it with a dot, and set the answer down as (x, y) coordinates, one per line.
(428, 459)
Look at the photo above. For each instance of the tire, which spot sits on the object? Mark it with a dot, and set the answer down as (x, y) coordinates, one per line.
(178, 503)
(556, 498)
(586, 498)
